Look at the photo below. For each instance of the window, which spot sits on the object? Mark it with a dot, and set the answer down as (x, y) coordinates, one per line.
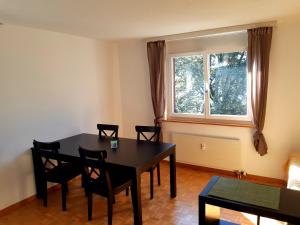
(189, 84)
(210, 85)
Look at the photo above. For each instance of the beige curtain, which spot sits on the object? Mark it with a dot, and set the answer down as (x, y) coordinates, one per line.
(259, 45)
(156, 58)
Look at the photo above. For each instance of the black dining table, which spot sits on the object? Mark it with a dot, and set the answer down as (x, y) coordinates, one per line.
(136, 156)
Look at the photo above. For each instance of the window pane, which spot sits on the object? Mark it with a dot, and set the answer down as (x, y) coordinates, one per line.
(188, 84)
(228, 83)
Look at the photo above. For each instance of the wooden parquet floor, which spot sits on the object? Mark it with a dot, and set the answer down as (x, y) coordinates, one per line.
(162, 210)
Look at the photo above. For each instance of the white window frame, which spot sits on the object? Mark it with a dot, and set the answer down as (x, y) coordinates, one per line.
(206, 69)
(171, 91)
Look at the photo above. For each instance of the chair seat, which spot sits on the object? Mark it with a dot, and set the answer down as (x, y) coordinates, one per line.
(67, 172)
(119, 181)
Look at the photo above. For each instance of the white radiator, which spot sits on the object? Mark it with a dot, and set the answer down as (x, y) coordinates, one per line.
(209, 151)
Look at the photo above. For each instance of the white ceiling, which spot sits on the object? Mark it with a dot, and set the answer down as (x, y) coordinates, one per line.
(122, 19)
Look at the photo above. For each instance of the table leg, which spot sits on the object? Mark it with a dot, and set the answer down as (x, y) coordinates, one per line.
(136, 199)
(202, 219)
(173, 175)
(258, 220)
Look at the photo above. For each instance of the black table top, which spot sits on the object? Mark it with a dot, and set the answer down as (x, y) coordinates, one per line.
(289, 205)
(131, 153)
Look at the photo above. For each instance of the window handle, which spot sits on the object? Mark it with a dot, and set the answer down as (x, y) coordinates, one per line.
(206, 87)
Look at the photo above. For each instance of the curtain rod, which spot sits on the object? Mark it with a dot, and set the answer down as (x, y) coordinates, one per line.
(211, 32)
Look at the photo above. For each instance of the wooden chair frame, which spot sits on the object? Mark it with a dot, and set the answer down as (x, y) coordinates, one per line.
(108, 127)
(155, 134)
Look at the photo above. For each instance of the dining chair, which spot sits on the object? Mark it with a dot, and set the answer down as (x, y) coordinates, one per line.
(103, 128)
(101, 180)
(150, 133)
(53, 169)
(114, 129)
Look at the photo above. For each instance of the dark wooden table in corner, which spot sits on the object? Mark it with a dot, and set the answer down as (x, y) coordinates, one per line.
(288, 211)
(136, 156)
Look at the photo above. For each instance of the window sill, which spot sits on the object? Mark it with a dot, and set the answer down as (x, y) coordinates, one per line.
(232, 123)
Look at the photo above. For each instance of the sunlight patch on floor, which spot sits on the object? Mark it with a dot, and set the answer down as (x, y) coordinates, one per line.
(263, 220)
(294, 175)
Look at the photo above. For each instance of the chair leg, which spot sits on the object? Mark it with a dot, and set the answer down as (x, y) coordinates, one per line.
(132, 195)
(44, 191)
(90, 205)
(158, 174)
(67, 188)
(82, 180)
(127, 191)
(151, 184)
(85, 192)
(110, 209)
(64, 190)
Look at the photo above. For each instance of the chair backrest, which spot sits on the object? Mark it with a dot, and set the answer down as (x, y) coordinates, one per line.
(103, 128)
(47, 155)
(144, 131)
(93, 162)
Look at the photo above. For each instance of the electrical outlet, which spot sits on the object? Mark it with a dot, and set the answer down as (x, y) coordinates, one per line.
(203, 146)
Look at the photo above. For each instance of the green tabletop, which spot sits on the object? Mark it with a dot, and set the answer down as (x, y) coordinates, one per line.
(246, 192)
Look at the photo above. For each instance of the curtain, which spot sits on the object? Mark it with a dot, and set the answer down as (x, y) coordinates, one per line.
(259, 45)
(156, 52)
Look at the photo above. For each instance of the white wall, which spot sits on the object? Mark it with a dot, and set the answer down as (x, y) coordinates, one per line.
(135, 86)
(52, 86)
(282, 130)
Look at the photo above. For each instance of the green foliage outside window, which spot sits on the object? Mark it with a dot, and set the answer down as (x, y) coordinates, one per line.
(189, 84)
(227, 84)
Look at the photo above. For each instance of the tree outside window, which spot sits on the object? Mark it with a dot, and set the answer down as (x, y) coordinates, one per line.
(225, 79)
